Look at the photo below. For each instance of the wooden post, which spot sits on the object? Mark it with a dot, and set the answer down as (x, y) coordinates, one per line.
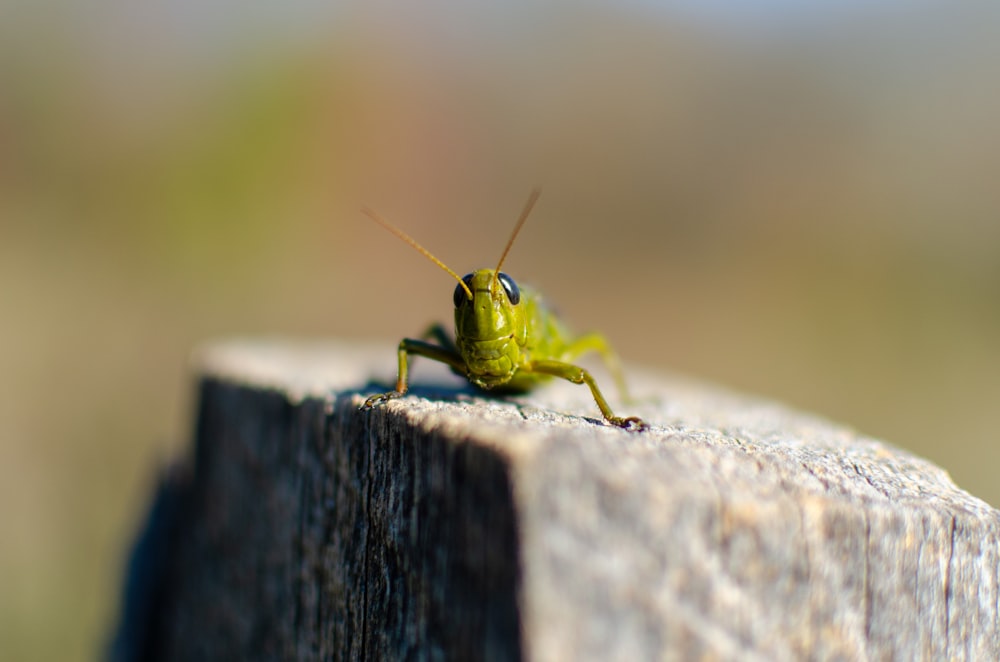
(450, 526)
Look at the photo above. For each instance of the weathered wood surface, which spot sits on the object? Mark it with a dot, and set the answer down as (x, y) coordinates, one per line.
(449, 526)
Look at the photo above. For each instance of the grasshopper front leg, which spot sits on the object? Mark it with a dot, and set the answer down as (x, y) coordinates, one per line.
(408, 346)
(579, 375)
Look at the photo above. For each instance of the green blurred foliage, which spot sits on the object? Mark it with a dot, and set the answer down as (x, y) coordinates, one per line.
(809, 213)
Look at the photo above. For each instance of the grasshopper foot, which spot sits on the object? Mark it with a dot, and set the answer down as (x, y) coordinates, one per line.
(381, 397)
(630, 423)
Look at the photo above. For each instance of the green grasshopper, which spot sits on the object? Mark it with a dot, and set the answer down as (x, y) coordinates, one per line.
(506, 339)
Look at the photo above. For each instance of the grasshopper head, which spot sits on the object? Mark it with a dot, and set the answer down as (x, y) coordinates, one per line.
(494, 310)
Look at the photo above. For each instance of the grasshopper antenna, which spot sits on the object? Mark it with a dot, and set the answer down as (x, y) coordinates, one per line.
(367, 211)
(532, 199)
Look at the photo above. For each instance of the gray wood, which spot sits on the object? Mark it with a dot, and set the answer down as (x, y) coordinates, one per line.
(450, 526)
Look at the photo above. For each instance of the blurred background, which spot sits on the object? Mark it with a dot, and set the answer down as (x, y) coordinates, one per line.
(795, 199)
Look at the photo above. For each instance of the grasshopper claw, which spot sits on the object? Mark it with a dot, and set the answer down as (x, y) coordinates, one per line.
(630, 423)
(379, 398)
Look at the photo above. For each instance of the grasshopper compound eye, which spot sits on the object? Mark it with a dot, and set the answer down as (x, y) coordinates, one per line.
(461, 293)
(510, 287)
